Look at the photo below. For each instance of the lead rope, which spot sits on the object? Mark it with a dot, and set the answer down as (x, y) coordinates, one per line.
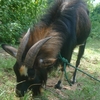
(65, 61)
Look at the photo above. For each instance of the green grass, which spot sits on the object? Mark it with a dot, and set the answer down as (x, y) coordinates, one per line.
(84, 89)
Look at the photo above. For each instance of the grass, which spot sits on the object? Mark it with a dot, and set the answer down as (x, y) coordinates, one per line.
(84, 89)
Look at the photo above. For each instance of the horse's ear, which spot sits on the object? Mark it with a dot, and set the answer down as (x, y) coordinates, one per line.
(9, 49)
(47, 62)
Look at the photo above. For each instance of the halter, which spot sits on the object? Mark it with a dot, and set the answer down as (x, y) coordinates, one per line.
(29, 79)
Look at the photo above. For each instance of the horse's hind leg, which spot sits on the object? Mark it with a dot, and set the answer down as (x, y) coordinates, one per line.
(80, 54)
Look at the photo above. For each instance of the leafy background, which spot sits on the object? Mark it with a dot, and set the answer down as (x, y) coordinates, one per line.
(16, 16)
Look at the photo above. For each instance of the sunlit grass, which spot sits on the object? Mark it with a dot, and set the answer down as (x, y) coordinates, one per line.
(85, 88)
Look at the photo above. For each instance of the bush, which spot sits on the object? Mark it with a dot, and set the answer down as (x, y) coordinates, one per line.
(95, 21)
(18, 15)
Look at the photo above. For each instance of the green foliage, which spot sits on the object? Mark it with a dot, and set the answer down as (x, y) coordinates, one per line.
(95, 18)
(95, 22)
(90, 4)
(18, 15)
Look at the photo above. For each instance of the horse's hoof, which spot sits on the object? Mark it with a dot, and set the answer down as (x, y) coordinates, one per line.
(57, 86)
(73, 81)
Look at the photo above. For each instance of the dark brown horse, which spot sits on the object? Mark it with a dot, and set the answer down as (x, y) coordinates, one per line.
(60, 30)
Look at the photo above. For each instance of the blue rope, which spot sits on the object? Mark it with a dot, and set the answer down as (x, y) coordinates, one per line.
(65, 61)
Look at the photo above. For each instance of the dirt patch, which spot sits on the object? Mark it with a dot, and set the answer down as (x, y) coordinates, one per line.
(61, 93)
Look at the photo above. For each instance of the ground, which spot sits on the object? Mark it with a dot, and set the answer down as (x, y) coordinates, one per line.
(85, 88)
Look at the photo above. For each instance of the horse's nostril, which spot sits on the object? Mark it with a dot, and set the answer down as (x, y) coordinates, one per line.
(18, 93)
